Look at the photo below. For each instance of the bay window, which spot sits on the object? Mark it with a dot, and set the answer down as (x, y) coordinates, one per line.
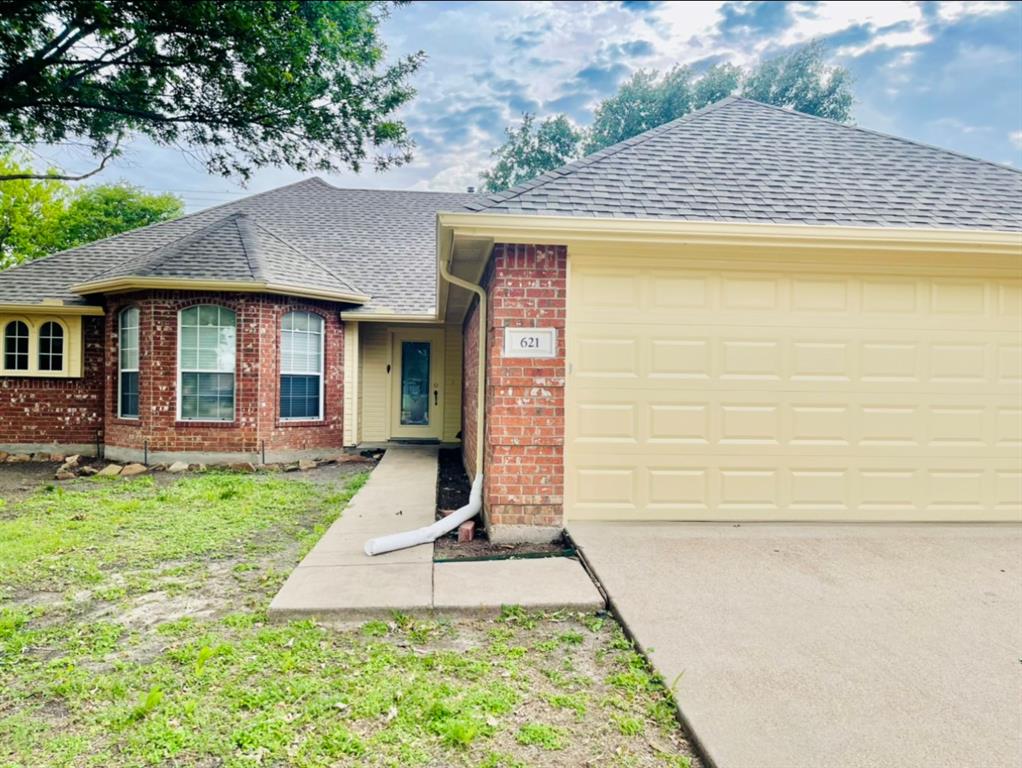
(127, 374)
(301, 366)
(206, 355)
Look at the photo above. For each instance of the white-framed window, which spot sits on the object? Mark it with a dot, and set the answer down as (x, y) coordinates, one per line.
(51, 346)
(16, 346)
(301, 366)
(127, 363)
(205, 362)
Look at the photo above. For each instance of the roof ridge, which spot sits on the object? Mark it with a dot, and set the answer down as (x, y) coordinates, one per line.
(308, 256)
(147, 258)
(386, 190)
(874, 132)
(602, 154)
(248, 243)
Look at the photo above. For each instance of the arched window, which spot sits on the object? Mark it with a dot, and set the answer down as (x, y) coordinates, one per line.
(51, 346)
(16, 346)
(206, 352)
(127, 362)
(301, 366)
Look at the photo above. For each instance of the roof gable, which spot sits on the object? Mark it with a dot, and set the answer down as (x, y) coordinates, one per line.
(742, 161)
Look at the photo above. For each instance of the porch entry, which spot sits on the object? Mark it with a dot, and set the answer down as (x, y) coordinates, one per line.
(417, 381)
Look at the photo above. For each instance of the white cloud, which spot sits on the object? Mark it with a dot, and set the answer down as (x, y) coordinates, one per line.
(815, 20)
(954, 11)
(1015, 137)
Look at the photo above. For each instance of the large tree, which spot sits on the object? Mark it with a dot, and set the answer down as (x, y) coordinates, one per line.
(42, 216)
(800, 80)
(239, 84)
(531, 149)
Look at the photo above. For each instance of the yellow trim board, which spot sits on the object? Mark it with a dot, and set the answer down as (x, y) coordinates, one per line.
(565, 229)
(61, 310)
(366, 317)
(123, 284)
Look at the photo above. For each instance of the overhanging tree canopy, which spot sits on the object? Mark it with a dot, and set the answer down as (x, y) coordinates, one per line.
(239, 84)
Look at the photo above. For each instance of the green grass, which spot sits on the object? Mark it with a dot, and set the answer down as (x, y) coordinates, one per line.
(85, 682)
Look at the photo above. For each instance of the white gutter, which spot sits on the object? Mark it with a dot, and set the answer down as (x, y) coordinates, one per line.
(432, 532)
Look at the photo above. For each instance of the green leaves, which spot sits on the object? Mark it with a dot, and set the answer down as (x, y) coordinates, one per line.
(147, 705)
(39, 217)
(532, 149)
(242, 85)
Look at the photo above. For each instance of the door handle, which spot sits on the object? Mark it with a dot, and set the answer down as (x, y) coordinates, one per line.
(436, 397)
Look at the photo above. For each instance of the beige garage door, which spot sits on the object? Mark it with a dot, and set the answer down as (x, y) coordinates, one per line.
(709, 392)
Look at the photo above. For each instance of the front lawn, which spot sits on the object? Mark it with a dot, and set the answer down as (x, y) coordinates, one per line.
(133, 632)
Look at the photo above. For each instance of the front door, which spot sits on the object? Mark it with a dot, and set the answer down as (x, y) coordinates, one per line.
(417, 399)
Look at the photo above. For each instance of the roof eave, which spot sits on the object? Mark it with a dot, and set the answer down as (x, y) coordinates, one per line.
(50, 308)
(556, 230)
(124, 284)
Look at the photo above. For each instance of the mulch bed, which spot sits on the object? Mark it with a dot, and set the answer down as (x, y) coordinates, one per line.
(452, 493)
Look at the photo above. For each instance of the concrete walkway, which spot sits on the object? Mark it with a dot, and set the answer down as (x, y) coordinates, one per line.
(828, 646)
(338, 580)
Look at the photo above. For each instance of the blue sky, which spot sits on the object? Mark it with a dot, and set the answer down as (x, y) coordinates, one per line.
(947, 73)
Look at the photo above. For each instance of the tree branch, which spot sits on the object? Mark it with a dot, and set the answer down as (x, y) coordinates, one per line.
(63, 176)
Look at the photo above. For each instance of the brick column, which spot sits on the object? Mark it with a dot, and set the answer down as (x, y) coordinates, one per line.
(524, 452)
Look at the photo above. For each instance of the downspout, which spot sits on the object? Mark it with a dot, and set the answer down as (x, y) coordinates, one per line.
(447, 524)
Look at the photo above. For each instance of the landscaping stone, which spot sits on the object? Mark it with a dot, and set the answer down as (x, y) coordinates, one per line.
(241, 466)
(349, 458)
(63, 474)
(291, 468)
(40, 456)
(178, 466)
(466, 531)
(88, 471)
(134, 469)
(57, 457)
(19, 458)
(3, 456)
(306, 464)
(110, 470)
(72, 461)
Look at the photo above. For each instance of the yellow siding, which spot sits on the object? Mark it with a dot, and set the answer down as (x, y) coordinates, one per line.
(376, 387)
(452, 382)
(352, 387)
(375, 392)
(827, 391)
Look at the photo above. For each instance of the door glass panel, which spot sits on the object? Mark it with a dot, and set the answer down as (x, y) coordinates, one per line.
(415, 383)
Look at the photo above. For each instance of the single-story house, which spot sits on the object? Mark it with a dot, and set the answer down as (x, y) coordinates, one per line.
(745, 314)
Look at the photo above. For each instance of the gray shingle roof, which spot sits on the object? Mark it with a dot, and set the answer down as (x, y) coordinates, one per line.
(380, 242)
(236, 248)
(737, 160)
(743, 161)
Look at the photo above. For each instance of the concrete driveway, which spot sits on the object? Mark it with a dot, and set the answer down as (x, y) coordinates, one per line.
(829, 645)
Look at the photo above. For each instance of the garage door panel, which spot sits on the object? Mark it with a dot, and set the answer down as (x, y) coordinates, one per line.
(794, 488)
(651, 293)
(852, 359)
(767, 395)
(661, 423)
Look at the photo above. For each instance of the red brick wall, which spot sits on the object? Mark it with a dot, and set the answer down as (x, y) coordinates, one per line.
(256, 383)
(64, 411)
(524, 458)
